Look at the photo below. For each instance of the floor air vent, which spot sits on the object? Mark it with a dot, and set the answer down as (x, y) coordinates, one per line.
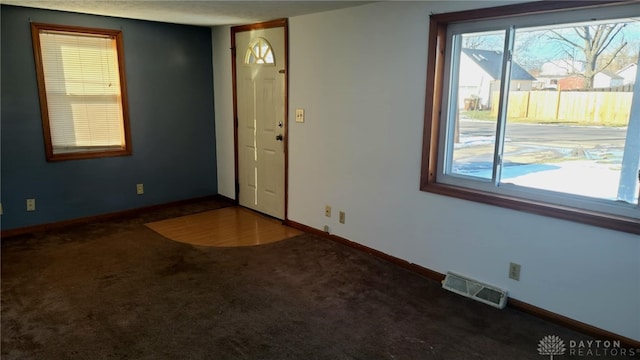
(476, 290)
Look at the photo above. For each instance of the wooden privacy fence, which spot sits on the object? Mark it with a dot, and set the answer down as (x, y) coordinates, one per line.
(606, 108)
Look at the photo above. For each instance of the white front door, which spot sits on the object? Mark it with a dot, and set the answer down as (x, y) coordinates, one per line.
(260, 108)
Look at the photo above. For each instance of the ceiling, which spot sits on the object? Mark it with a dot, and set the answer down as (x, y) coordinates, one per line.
(201, 12)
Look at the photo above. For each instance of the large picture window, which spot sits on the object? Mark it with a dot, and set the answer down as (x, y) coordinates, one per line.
(82, 91)
(538, 110)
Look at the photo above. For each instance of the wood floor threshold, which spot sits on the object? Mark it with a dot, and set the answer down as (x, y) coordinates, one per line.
(108, 216)
(562, 320)
(231, 226)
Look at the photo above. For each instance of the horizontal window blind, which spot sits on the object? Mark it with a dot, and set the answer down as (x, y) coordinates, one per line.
(82, 85)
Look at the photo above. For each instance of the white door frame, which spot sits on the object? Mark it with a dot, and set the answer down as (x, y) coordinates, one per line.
(264, 25)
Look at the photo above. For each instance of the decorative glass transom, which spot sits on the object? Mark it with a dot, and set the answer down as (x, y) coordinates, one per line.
(259, 52)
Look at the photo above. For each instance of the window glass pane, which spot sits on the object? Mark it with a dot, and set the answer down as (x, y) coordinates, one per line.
(82, 84)
(473, 113)
(259, 52)
(569, 108)
(559, 135)
(268, 57)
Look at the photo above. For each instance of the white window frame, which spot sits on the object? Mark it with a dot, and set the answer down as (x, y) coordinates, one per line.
(442, 101)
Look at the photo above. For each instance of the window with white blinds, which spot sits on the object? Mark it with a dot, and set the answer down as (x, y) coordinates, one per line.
(82, 94)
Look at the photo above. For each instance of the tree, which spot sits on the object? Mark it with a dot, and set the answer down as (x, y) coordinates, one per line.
(628, 55)
(483, 41)
(551, 345)
(593, 41)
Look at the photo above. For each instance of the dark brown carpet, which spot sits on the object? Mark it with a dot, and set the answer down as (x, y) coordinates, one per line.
(117, 290)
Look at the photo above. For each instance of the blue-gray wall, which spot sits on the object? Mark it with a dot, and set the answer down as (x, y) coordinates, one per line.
(170, 84)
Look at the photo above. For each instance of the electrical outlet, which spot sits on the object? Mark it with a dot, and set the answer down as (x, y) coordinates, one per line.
(341, 218)
(139, 189)
(514, 271)
(31, 204)
(327, 211)
(300, 115)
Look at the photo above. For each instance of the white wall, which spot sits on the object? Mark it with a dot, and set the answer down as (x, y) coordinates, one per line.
(629, 74)
(223, 97)
(359, 73)
(601, 80)
(474, 82)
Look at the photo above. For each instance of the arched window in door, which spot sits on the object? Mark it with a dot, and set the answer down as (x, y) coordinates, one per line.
(259, 52)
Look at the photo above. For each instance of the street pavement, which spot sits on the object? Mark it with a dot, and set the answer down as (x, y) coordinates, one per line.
(581, 160)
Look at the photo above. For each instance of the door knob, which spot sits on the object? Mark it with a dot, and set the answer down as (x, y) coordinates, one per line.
(279, 137)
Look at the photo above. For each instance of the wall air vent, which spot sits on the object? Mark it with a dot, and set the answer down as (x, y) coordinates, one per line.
(476, 290)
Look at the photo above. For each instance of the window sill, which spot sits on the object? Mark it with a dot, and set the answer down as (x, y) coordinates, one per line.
(87, 155)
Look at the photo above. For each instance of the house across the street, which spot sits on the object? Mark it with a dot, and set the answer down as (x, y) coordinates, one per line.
(480, 73)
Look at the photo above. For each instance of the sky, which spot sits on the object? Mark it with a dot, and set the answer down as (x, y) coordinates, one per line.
(535, 46)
